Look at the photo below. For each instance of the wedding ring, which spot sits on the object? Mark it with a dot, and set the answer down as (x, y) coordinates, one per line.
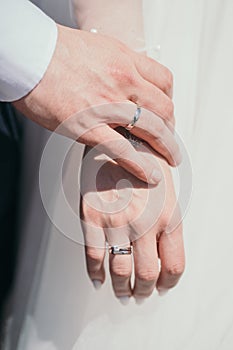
(135, 119)
(115, 250)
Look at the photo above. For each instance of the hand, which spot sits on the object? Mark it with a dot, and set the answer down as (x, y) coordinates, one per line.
(119, 209)
(89, 70)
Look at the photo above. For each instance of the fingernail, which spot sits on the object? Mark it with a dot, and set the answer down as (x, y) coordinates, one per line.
(155, 177)
(139, 300)
(97, 284)
(162, 291)
(124, 300)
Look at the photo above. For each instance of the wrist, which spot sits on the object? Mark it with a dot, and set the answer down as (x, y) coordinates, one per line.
(112, 19)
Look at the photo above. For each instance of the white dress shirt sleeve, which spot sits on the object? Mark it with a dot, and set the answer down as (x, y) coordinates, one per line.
(27, 42)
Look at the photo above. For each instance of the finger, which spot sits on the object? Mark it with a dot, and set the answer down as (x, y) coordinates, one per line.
(171, 252)
(146, 95)
(158, 102)
(145, 265)
(151, 129)
(155, 73)
(120, 269)
(94, 252)
(108, 141)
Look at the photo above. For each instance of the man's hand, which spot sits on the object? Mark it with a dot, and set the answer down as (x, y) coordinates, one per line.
(89, 70)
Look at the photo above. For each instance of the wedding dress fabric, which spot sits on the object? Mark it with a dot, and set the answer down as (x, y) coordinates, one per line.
(63, 310)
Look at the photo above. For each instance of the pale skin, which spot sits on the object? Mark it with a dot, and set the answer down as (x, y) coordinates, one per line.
(92, 69)
(147, 234)
(124, 213)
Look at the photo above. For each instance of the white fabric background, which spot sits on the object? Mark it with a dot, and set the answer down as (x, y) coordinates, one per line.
(63, 311)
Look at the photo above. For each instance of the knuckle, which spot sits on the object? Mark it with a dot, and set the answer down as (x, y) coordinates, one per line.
(164, 220)
(121, 271)
(94, 255)
(168, 81)
(147, 275)
(169, 109)
(122, 73)
(127, 78)
(176, 269)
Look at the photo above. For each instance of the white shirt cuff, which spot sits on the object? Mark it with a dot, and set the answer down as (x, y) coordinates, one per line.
(28, 41)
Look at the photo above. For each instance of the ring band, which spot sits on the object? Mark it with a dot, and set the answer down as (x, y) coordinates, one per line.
(135, 119)
(115, 250)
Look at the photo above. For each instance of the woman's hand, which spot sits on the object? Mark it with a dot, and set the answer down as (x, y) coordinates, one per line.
(119, 209)
(93, 84)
